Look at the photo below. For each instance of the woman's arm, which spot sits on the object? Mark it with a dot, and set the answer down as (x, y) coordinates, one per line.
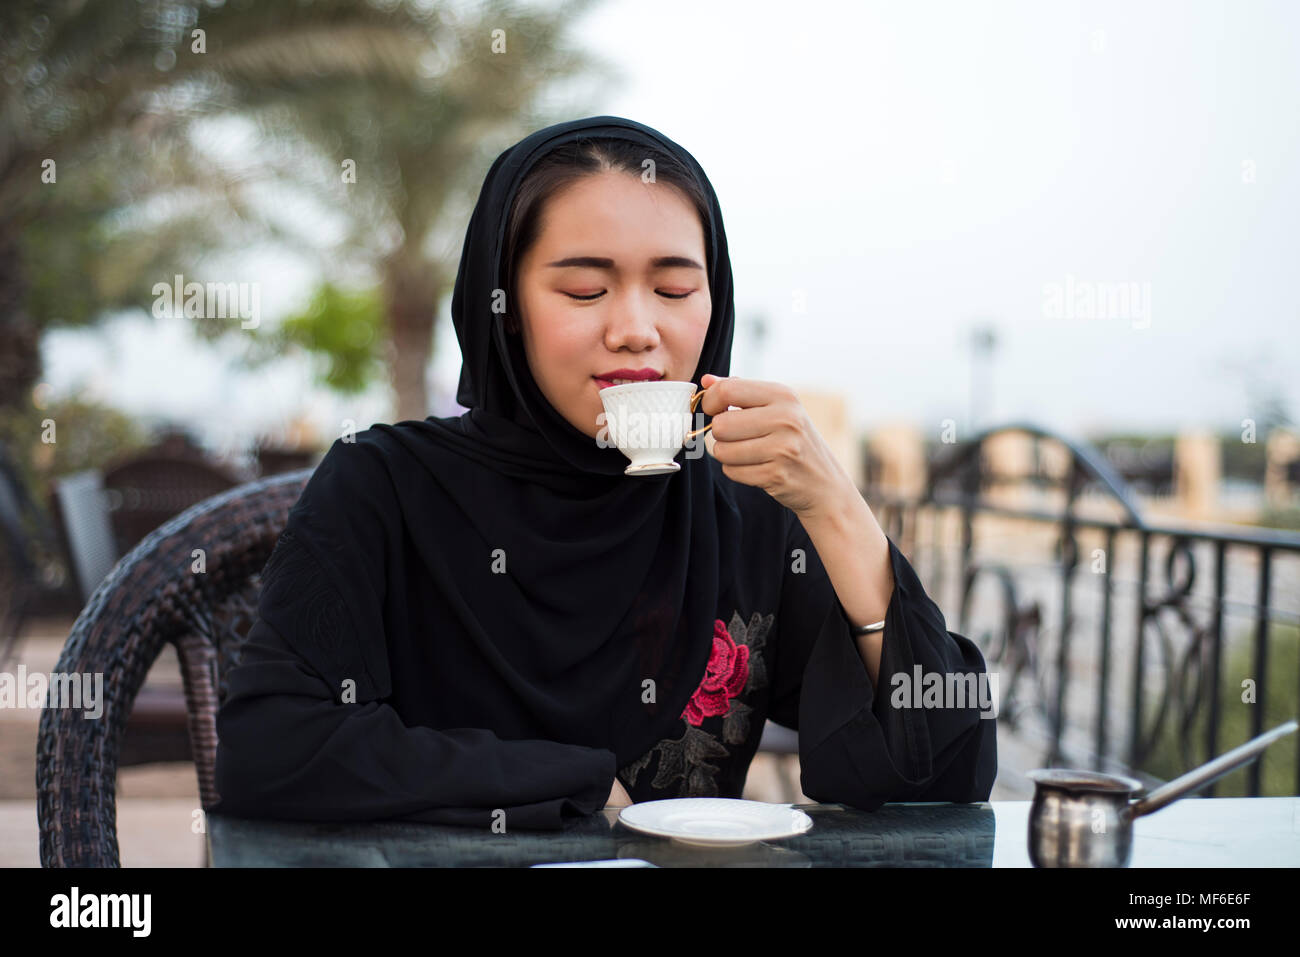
(858, 746)
(287, 749)
(855, 552)
(305, 729)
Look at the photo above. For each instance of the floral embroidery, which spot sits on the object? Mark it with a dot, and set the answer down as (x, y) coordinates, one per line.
(725, 676)
(736, 659)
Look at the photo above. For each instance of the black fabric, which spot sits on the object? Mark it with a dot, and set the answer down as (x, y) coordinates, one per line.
(397, 670)
(855, 748)
(608, 580)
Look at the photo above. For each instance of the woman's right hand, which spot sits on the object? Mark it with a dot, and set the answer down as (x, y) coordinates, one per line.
(618, 796)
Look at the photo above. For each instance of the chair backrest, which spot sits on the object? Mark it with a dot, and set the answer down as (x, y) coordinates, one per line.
(193, 582)
(149, 488)
(83, 514)
(17, 562)
(10, 507)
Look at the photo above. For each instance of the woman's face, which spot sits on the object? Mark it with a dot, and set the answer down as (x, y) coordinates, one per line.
(615, 280)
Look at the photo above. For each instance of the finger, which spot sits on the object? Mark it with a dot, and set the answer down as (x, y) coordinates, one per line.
(744, 393)
(735, 425)
(707, 381)
(756, 475)
(747, 452)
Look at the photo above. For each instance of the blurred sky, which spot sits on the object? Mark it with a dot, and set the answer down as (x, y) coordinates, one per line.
(904, 170)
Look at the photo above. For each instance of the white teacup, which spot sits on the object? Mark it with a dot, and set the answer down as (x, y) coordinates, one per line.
(649, 422)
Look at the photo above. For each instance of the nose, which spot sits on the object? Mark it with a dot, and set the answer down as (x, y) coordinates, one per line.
(631, 324)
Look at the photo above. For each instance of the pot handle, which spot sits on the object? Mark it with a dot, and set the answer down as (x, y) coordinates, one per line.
(1206, 774)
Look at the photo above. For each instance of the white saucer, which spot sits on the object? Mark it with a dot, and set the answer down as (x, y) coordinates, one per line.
(715, 822)
(653, 468)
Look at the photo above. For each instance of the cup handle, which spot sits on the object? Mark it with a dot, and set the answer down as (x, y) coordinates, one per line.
(694, 399)
(694, 433)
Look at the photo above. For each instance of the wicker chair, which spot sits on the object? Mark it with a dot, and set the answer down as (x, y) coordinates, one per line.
(151, 597)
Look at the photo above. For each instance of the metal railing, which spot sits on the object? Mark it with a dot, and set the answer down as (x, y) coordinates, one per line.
(1073, 693)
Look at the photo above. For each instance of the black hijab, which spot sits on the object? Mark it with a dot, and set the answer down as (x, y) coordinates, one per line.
(610, 581)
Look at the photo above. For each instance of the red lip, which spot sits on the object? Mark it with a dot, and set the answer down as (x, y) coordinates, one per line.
(605, 379)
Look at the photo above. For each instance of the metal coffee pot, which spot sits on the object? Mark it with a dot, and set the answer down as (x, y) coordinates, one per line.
(1085, 819)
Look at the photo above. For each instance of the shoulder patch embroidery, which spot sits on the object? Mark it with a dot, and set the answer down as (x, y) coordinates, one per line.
(293, 579)
(736, 669)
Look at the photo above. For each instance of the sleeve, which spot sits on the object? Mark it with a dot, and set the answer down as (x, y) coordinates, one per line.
(292, 744)
(287, 749)
(860, 745)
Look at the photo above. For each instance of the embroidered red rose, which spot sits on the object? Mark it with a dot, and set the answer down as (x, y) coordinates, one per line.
(724, 678)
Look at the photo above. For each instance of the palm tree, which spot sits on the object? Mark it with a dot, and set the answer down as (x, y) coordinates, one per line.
(109, 91)
(418, 151)
(77, 76)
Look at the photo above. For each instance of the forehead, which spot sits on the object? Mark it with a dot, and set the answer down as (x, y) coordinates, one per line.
(612, 212)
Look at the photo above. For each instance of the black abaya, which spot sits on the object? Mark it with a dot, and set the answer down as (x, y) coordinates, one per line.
(483, 612)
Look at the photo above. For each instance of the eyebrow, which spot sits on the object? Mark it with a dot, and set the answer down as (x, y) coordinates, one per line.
(598, 262)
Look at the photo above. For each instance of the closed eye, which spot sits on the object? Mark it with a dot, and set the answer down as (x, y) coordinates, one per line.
(666, 295)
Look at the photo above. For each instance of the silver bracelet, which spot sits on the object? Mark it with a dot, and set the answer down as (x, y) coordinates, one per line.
(867, 629)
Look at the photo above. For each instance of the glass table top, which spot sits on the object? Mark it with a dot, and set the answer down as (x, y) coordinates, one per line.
(1192, 832)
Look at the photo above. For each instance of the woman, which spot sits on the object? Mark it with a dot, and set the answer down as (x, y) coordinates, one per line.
(480, 619)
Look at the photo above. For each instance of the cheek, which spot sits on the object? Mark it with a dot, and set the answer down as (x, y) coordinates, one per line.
(558, 345)
(700, 321)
